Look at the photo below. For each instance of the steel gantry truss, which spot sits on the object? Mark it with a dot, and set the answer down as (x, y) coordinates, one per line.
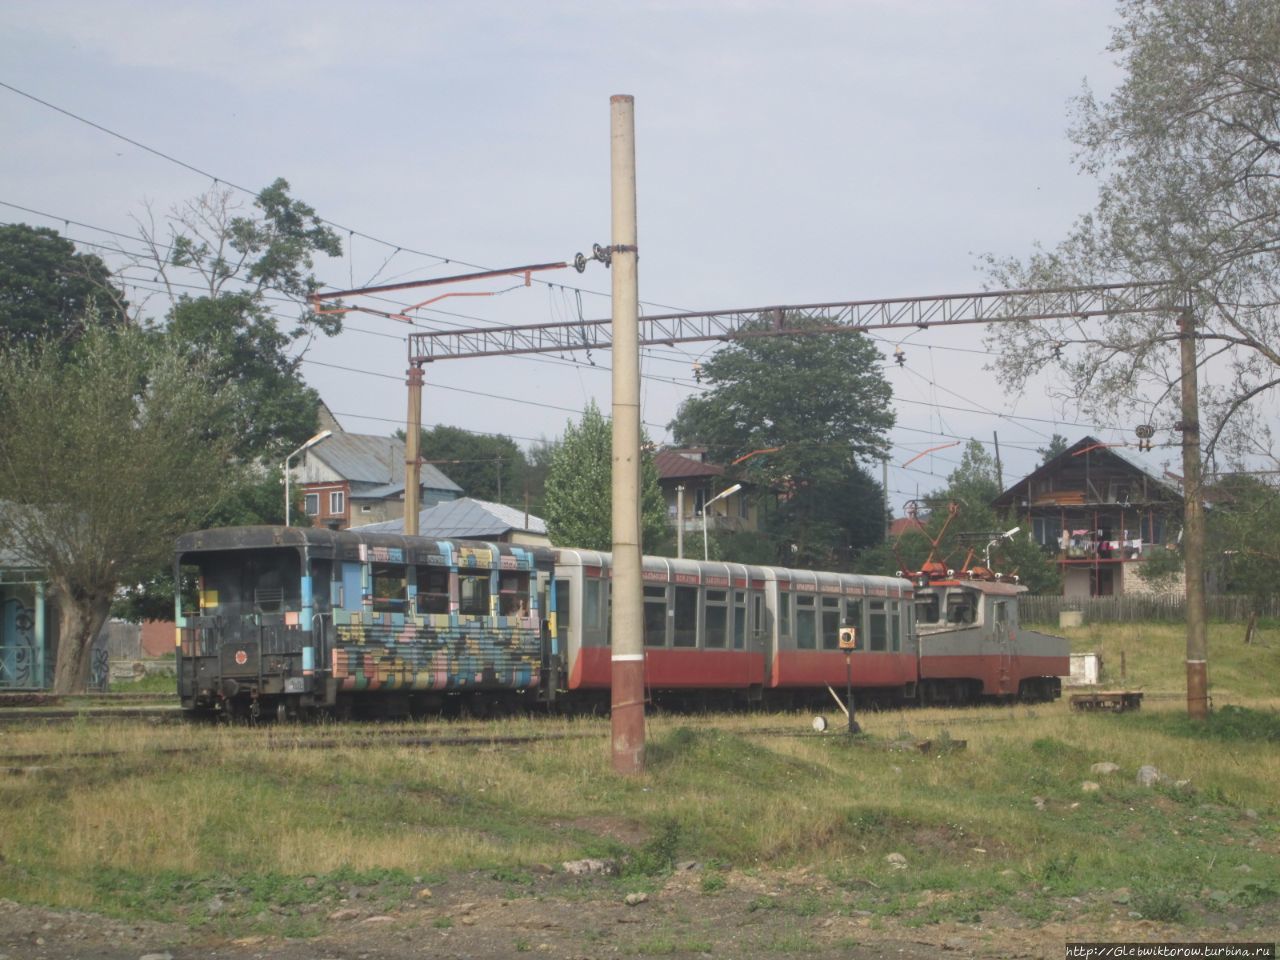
(998, 306)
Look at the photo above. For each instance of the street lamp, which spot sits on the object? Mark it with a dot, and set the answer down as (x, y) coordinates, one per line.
(306, 446)
(706, 507)
(1004, 536)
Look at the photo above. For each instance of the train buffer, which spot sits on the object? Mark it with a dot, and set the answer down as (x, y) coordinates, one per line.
(1116, 701)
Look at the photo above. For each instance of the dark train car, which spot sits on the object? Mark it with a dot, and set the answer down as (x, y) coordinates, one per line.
(287, 620)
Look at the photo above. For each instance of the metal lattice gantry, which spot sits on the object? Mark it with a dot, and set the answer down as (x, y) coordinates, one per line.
(998, 306)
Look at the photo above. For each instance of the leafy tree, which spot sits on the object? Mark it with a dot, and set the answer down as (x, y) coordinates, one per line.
(50, 292)
(579, 489)
(1244, 539)
(1186, 151)
(232, 328)
(1058, 444)
(486, 467)
(239, 345)
(103, 464)
(808, 411)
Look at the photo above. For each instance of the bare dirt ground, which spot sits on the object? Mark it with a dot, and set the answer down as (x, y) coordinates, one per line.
(583, 918)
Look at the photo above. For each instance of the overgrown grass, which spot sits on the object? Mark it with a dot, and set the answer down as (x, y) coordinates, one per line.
(248, 830)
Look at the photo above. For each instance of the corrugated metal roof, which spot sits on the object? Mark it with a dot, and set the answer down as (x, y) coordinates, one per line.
(465, 519)
(363, 458)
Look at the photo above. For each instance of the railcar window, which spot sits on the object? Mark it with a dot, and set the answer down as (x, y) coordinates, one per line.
(761, 628)
(739, 619)
(784, 613)
(686, 618)
(390, 587)
(321, 589)
(806, 623)
(473, 594)
(513, 593)
(717, 613)
(564, 613)
(830, 623)
(878, 626)
(655, 616)
(853, 618)
(191, 597)
(927, 609)
(591, 603)
(433, 590)
(895, 626)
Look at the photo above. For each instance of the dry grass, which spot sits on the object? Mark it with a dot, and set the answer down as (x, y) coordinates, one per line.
(164, 814)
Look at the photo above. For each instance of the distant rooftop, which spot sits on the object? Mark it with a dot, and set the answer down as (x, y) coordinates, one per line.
(466, 519)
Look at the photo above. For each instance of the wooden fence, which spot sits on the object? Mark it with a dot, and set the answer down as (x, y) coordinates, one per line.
(1045, 609)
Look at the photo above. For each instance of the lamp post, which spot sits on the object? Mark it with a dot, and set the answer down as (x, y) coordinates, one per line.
(1004, 536)
(306, 446)
(706, 507)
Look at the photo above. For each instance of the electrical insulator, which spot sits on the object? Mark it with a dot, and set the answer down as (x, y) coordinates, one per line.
(900, 356)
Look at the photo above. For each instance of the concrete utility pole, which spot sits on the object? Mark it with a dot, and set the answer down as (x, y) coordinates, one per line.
(1193, 526)
(627, 702)
(412, 437)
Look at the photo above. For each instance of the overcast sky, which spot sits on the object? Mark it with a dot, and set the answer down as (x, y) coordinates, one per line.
(787, 152)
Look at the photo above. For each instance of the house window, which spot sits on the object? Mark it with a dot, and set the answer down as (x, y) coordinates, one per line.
(337, 503)
(744, 508)
(699, 501)
(311, 504)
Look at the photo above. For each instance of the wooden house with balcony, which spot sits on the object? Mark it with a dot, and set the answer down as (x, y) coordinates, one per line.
(1101, 514)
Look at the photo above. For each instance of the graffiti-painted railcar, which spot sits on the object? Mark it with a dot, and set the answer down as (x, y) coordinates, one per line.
(289, 619)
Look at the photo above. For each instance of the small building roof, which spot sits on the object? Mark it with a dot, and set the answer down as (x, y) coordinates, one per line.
(676, 465)
(466, 519)
(1158, 488)
(364, 458)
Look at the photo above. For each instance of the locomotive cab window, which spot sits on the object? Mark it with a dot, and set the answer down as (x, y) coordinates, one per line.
(513, 593)
(928, 610)
(473, 594)
(433, 590)
(962, 607)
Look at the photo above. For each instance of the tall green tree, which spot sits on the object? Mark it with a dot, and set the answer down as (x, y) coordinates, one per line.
(48, 291)
(579, 500)
(245, 261)
(103, 463)
(486, 467)
(1057, 444)
(809, 412)
(1244, 540)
